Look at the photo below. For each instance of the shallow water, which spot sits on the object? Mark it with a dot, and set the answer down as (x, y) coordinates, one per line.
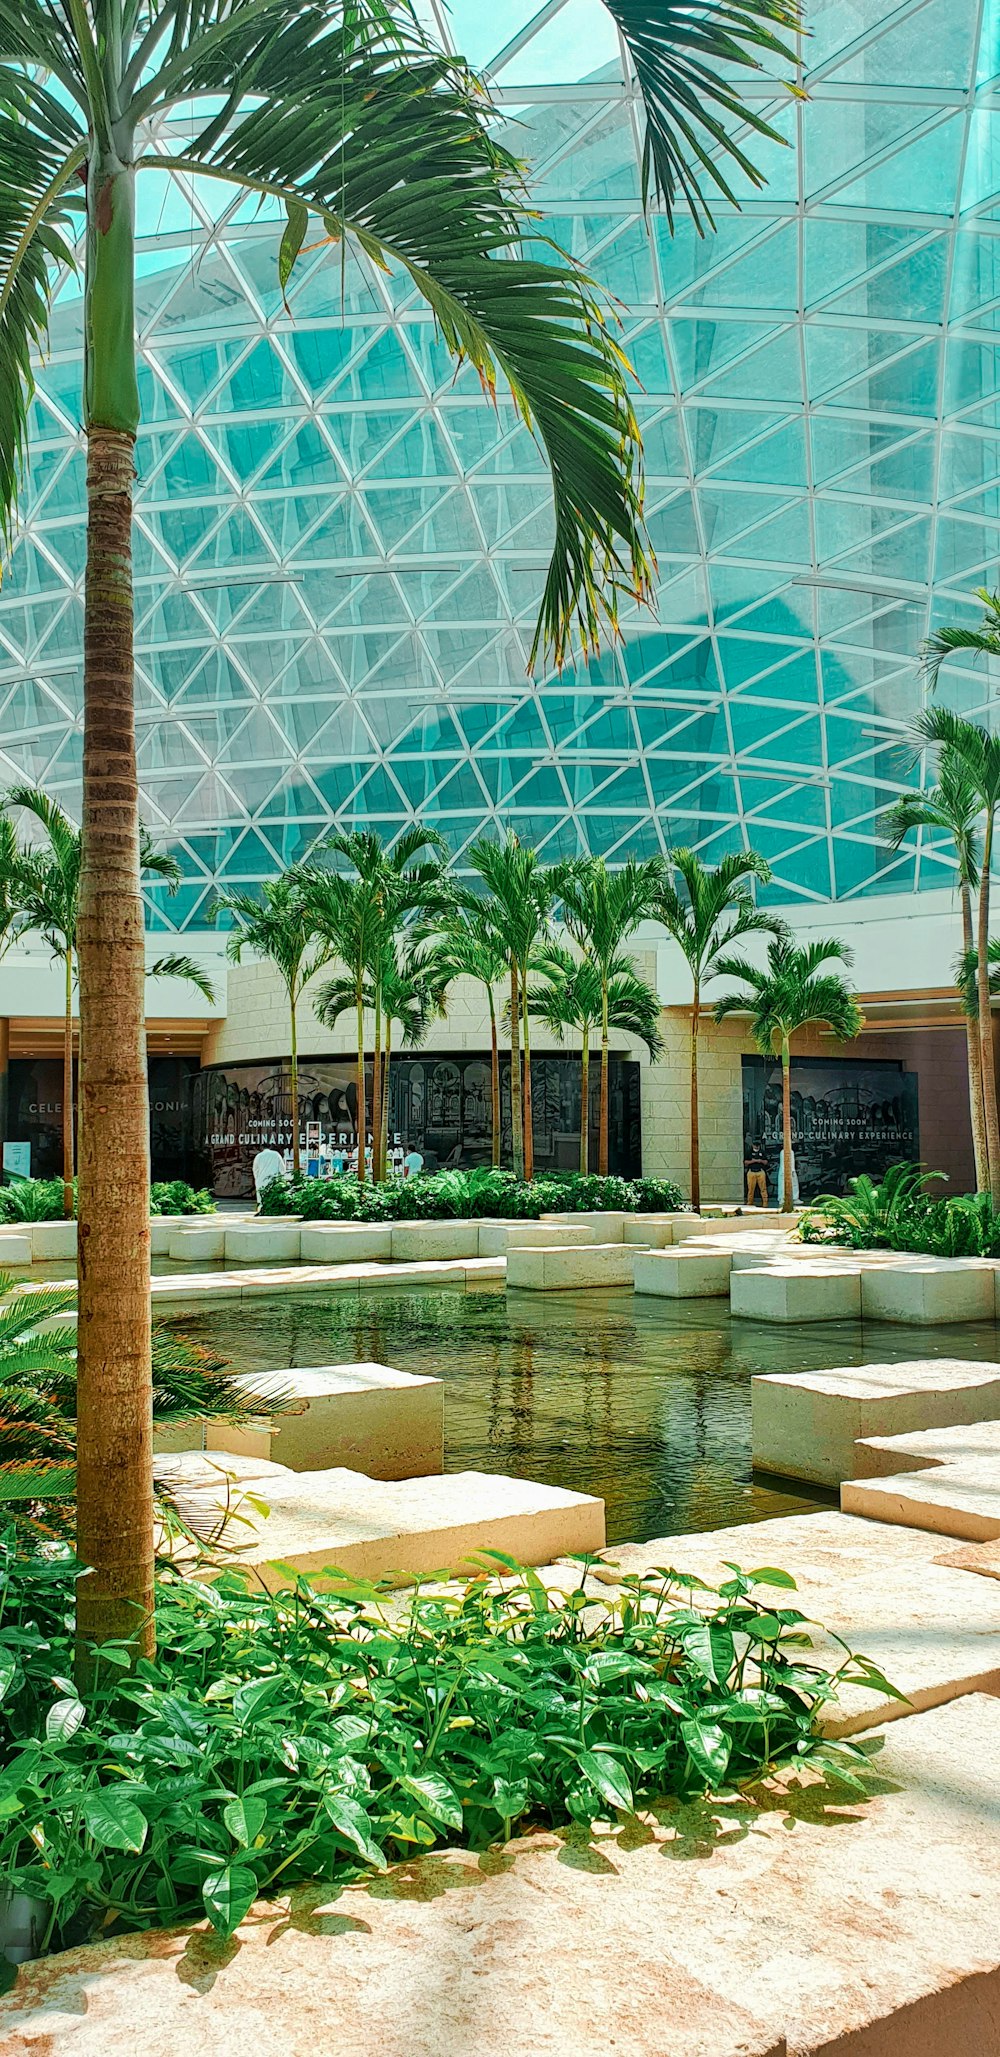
(644, 1403)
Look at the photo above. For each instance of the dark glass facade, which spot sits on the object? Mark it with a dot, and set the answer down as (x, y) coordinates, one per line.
(849, 1115)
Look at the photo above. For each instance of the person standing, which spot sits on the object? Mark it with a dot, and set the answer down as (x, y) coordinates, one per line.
(755, 1166)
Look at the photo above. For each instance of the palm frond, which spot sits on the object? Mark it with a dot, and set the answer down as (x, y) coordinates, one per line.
(177, 966)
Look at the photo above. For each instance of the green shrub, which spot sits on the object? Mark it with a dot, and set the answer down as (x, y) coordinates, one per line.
(41, 1199)
(901, 1214)
(175, 1196)
(465, 1195)
(307, 1736)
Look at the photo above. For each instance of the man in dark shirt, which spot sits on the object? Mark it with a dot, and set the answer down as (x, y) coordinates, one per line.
(755, 1166)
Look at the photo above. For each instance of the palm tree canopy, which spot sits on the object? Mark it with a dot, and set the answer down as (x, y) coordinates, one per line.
(47, 877)
(402, 884)
(465, 943)
(11, 908)
(953, 805)
(569, 997)
(521, 888)
(983, 641)
(791, 991)
(176, 966)
(972, 748)
(276, 924)
(602, 908)
(966, 973)
(715, 907)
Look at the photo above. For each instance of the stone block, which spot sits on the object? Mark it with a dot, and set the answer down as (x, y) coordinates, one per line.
(796, 1293)
(345, 1242)
(648, 1232)
(340, 1520)
(51, 1240)
(682, 1274)
(497, 1237)
(946, 1480)
(551, 1271)
(807, 1424)
(928, 1290)
(609, 1222)
(263, 1242)
(367, 1417)
(203, 1245)
(17, 1247)
(414, 1242)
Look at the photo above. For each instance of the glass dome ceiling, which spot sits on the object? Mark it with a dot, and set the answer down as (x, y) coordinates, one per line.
(340, 544)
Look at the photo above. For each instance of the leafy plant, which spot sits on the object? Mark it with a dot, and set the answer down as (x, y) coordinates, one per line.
(901, 1214)
(175, 1196)
(41, 1199)
(305, 1736)
(466, 1195)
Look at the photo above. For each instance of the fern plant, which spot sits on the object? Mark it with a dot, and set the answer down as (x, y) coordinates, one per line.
(870, 1216)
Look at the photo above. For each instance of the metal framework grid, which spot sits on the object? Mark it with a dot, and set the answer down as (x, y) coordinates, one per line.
(340, 545)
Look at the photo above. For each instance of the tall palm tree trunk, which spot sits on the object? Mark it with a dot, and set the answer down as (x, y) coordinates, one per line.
(585, 1102)
(989, 1077)
(293, 1073)
(516, 1127)
(377, 1090)
(602, 1144)
(384, 1127)
(786, 1126)
(494, 1082)
(975, 1066)
(695, 1125)
(529, 1125)
(68, 1122)
(362, 1109)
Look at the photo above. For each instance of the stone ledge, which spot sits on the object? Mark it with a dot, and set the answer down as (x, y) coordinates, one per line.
(946, 1480)
(367, 1417)
(807, 1424)
(570, 1270)
(687, 1274)
(794, 1293)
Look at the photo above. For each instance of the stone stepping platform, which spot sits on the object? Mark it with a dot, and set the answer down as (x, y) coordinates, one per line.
(367, 1417)
(807, 1424)
(689, 1273)
(812, 1924)
(189, 1290)
(930, 1289)
(946, 1480)
(932, 1628)
(796, 1292)
(341, 1519)
(16, 1248)
(570, 1270)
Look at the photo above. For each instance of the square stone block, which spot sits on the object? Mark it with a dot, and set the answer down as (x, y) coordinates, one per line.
(416, 1241)
(345, 1242)
(163, 1226)
(797, 1293)
(609, 1222)
(264, 1242)
(646, 1232)
(17, 1247)
(369, 1417)
(682, 1274)
(552, 1271)
(497, 1237)
(929, 1290)
(203, 1245)
(51, 1239)
(808, 1424)
(941, 1479)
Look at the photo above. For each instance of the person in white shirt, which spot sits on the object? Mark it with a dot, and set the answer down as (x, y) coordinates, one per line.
(412, 1164)
(267, 1165)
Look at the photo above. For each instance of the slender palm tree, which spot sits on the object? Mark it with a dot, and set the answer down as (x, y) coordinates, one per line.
(975, 752)
(706, 914)
(346, 916)
(11, 924)
(411, 991)
(48, 888)
(277, 925)
(791, 992)
(953, 806)
(981, 641)
(573, 995)
(520, 890)
(468, 944)
(602, 909)
(344, 111)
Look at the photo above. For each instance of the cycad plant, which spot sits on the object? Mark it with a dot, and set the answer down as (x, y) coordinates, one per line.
(342, 111)
(706, 909)
(276, 924)
(571, 993)
(793, 991)
(467, 943)
(602, 909)
(953, 806)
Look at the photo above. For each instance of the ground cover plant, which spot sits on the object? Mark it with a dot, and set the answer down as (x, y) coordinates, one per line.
(903, 1213)
(466, 1195)
(41, 1199)
(306, 1736)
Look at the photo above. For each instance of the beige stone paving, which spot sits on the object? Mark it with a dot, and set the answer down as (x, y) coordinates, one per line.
(942, 1479)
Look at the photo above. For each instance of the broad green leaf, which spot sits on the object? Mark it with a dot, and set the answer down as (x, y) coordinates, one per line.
(351, 1821)
(768, 1575)
(259, 1693)
(244, 1819)
(8, 1671)
(439, 1798)
(228, 1896)
(708, 1748)
(63, 1719)
(114, 1820)
(608, 1777)
(292, 241)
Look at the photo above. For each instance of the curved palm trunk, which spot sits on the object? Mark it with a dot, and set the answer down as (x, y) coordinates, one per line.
(602, 1144)
(68, 1121)
(114, 1382)
(974, 1057)
(516, 1128)
(989, 1077)
(695, 1128)
(494, 1082)
(786, 1125)
(362, 1108)
(529, 1126)
(585, 1101)
(377, 1090)
(293, 1071)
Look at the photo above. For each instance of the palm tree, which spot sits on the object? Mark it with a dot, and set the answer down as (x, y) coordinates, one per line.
(521, 891)
(602, 909)
(712, 912)
(953, 805)
(469, 945)
(792, 992)
(277, 925)
(346, 915)
(574, 995)
(976, 754)
(48, 888)
(345, 112)
(410, 991)
(178, 966)
(982, 641)
(11, 922)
